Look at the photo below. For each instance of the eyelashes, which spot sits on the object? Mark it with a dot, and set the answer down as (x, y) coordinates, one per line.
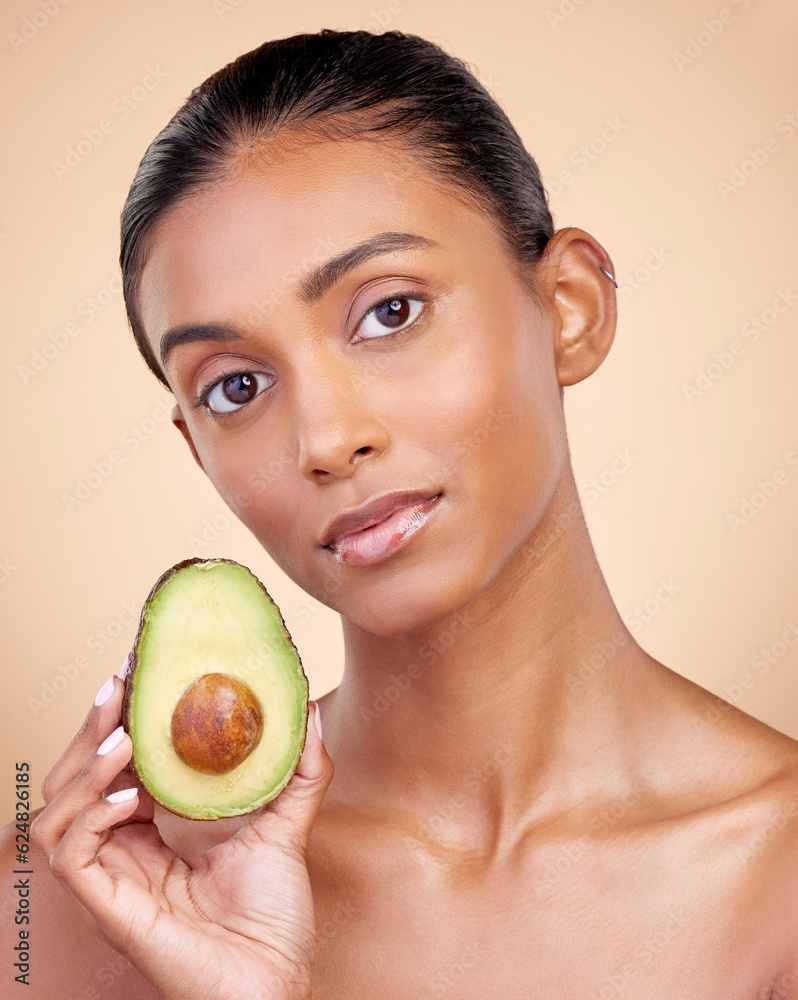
(233, 391)
(394, 312)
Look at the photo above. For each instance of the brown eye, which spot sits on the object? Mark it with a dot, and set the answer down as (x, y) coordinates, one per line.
(390, 315)
(239, 388)
(233, 392)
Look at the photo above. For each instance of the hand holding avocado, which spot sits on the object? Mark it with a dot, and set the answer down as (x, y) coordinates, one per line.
(235, 923)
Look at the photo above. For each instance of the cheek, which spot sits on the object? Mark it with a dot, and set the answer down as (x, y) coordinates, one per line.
(491, 411)
(504, 444)
(452, 403)
(265, 490)
(256, 485)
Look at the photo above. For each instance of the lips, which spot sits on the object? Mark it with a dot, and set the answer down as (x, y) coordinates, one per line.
(372, 513)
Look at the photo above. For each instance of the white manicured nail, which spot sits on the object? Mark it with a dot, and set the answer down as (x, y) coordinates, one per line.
(105, 692)
(111, 741)
(317, 719)
(123, 795)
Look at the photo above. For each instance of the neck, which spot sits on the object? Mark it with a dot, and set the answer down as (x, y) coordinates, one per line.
(530, 697)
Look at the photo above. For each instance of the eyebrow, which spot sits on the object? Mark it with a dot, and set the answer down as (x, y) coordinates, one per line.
(321, 279)
(190, 332)
(312, 287)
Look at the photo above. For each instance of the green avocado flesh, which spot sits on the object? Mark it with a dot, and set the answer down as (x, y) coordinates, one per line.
(214, 669)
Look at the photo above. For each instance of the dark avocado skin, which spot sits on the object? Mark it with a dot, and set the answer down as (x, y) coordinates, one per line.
(129, 695)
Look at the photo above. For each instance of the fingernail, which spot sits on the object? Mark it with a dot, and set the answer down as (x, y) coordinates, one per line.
(105, 692)
(125, 667)
(317, 718)
(111, 741)
(123, 795)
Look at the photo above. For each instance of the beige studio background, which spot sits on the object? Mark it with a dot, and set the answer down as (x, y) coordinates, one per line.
(669, 131)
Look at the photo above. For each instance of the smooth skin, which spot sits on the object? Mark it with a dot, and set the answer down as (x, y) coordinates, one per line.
(502, 821)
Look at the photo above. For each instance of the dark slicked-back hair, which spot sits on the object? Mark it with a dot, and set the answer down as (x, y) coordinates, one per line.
(339, 85)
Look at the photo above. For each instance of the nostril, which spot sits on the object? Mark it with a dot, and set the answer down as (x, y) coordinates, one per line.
(365, 450)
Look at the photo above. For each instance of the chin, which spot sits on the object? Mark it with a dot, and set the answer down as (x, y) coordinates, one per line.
(412, 602)
(395, 620)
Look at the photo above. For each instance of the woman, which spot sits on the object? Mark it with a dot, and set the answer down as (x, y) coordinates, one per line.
(338, 254)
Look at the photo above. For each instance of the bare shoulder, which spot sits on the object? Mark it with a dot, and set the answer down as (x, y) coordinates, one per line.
(770, 848)
(754, 771)
(65, 958)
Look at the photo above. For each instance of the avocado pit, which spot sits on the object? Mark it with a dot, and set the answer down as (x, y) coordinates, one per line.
(216, 724)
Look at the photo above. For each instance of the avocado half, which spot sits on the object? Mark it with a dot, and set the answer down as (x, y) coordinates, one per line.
(216, 700)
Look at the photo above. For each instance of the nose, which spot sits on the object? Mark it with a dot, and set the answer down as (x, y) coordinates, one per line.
(338, 431)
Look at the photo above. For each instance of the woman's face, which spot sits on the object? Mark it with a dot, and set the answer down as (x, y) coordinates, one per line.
(302, 400)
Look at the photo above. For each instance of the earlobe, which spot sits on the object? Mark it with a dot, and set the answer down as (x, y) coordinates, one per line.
(179, 421)
(585, 299)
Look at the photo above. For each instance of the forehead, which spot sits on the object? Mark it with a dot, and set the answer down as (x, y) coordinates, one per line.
(250, 236)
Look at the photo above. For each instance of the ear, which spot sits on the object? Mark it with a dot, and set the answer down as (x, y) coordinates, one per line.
(179, 421)
(584, 300)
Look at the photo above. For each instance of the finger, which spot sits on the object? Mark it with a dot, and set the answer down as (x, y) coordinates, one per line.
(288, 819)
(101, 720)
(107, 761)
(74, 859)
(127, 778)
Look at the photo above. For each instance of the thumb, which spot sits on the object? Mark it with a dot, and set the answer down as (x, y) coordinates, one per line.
(291, 814)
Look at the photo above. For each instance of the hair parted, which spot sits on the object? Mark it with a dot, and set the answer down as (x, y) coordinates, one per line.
(338, 85)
